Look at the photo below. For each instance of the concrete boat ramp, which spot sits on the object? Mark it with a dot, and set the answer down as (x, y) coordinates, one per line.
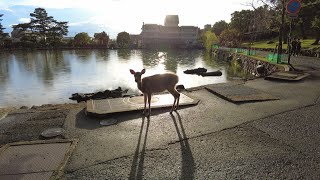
(230, 91)
(115, 105)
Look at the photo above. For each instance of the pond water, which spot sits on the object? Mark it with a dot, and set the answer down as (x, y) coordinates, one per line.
(50, 77)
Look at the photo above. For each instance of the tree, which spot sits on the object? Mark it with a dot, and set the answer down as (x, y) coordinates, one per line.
(209, 38)
(278, 6)
(123, 39)
(46, 27)
(219, 26)
(57, 31)
(1, 27)
(310, 18)
(316, 25)
(2, 34)
(23, 34)
(229, 37)
(82, 39)
(242, 21)
(40, 22)
(102, 38)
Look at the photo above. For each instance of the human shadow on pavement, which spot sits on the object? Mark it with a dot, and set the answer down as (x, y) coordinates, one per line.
(188, 165)
(138, 158)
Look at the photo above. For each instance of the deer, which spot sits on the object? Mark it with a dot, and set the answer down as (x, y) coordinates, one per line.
(155, 84)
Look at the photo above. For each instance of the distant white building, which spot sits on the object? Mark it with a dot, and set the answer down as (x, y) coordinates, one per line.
(169, 35)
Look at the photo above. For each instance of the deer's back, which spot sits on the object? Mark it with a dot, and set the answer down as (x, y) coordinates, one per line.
(159, 82)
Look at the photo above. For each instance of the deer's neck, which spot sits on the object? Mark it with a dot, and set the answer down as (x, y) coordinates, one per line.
(140, 86)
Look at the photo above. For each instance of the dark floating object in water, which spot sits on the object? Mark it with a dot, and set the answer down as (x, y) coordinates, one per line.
(98, 95)
(202, 72)
(213, 73)
(195, 71)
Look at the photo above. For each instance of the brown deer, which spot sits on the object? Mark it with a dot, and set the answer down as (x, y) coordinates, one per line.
(157, 83)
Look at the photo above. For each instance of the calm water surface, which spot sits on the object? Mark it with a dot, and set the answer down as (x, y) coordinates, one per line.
(49, 77)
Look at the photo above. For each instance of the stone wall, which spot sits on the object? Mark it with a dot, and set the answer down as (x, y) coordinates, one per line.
(249, 64)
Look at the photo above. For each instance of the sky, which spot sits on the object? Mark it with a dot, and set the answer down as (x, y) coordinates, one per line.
(114, 16)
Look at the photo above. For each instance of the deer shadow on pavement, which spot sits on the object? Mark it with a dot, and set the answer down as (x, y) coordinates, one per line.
(187, 162)
(138, 158)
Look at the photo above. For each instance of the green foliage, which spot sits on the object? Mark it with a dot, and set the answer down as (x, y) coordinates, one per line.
(101, 38)
(40, 21)
(82, 39)
(123, 39)
(229, 37)
(46, 26)
(242, 21)
(208, 39)
(219, 26)
(42, 29)
(1, 27)
(2, 34)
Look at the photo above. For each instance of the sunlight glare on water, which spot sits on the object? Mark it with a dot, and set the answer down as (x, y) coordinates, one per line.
(49, 77)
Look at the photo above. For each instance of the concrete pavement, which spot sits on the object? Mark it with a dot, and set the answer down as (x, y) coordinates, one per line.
(215, 139)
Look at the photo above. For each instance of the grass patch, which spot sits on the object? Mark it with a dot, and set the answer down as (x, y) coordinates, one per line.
(305, 44)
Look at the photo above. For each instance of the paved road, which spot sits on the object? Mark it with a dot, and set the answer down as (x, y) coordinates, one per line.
(215, 139)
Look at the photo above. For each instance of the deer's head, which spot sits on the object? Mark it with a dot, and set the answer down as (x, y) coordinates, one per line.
(137, 75)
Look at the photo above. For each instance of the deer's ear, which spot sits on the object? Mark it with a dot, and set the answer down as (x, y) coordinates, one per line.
(143, 71)
(132, 71)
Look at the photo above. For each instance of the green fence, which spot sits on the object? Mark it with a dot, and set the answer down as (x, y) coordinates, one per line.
(274, 58)
(250, 52)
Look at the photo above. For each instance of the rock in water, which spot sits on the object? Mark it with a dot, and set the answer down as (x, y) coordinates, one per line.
(99, 95)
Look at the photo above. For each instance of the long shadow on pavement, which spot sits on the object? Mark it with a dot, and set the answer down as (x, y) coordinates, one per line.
(83, 121)
(137, 162)
(188, 165)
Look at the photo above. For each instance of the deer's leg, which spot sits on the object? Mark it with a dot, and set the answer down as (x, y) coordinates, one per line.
(176, 96)
(149, 102)
(145, 103)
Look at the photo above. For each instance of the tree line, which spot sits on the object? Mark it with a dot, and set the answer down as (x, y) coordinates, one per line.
(44, 31)
(268, 21)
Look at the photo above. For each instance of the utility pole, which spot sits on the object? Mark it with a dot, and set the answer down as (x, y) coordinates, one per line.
(281, 30)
